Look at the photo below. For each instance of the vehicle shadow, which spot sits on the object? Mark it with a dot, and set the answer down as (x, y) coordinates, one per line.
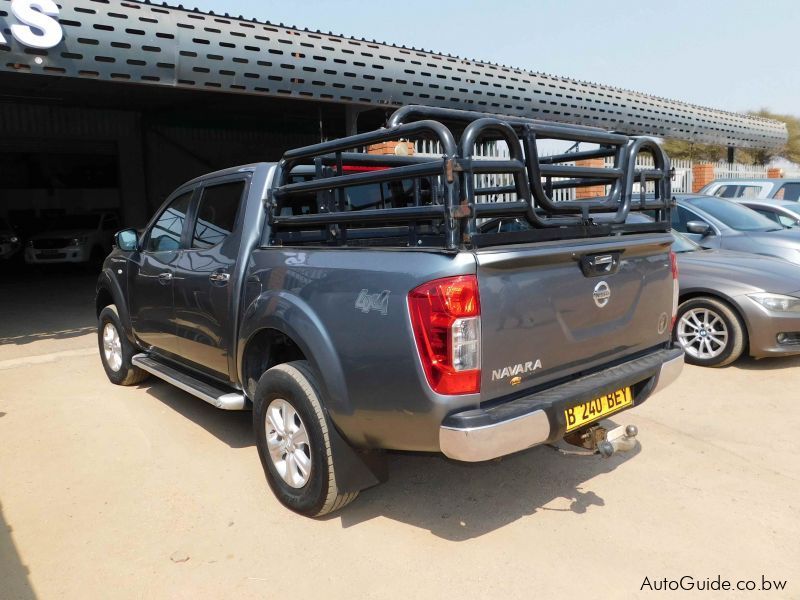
(453, 500)
(767, 364)
(460, 501)
(232, 427)
(46, 306)
(14, 581)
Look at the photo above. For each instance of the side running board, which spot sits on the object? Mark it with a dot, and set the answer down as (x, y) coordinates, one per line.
(220, 398)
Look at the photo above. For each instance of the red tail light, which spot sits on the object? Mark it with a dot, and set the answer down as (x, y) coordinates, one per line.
(445, 316)
(673, 261)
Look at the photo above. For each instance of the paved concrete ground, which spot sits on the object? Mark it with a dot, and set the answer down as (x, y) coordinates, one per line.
(146, 492)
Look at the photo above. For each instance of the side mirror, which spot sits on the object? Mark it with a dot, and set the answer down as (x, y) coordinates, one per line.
(699, 227)
(127, 240)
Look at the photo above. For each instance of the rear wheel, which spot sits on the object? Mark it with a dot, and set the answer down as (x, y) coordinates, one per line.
(710, 332)
(293, 442)
(116, 351)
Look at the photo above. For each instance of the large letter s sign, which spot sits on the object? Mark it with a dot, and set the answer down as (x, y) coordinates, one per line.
(39, 26)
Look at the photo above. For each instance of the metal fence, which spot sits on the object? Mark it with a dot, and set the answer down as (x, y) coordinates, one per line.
(681, 180)
(725, 170)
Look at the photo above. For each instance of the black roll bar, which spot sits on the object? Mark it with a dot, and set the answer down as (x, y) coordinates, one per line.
(455, 204)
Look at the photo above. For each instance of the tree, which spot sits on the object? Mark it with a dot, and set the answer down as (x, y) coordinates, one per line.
(694, 151)
(715, 152)
(791, 151)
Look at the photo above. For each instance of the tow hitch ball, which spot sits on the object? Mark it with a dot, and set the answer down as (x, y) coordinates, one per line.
(605, 442)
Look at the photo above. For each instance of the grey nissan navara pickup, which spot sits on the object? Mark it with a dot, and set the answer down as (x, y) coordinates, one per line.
(359, 302)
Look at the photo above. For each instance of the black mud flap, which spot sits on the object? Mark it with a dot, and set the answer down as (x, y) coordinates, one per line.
(355, 471)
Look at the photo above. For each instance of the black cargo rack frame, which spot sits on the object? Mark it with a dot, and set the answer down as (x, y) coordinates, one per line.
(457, 207)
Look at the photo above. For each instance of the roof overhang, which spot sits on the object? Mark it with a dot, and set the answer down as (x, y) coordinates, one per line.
(157, 45)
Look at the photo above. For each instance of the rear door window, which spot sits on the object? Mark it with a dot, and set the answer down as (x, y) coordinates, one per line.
(726, 191)
(216, 214)
(738, 191)
(789, 191)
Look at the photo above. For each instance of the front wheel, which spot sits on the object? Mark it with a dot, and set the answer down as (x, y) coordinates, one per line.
(710, 332)
(116, 351)
(293, 442)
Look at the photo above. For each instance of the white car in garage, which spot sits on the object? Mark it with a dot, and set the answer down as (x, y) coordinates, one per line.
(74, 239)
(9, 241)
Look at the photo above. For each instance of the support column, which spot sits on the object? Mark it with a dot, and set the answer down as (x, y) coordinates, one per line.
(583, 193)
(774, 173)
(702, 175)
(132, 189)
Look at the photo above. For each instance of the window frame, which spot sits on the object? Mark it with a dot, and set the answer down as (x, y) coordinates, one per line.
(197, 198)
(192, 191)
(783, 186)
(698, 217)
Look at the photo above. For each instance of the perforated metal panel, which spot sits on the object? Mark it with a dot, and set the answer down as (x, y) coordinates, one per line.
(159, 45)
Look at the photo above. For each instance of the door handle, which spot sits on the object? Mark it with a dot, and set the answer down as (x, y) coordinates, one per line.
(165, 277)
(219, 277)
(598, 265)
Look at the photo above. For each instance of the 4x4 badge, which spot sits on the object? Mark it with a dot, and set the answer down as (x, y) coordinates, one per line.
(379, 302)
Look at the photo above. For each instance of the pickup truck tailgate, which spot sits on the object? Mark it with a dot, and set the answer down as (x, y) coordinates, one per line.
(552, 310)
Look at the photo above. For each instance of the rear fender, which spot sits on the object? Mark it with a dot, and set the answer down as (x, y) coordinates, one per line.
(293, 317)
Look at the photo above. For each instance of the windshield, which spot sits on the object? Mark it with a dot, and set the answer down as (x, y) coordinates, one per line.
(734, 215)
(76, 222)
(683, 244)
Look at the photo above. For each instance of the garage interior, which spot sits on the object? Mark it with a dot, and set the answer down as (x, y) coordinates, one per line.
(73, 146)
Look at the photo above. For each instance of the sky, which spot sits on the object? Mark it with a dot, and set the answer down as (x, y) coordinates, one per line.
(733, 55)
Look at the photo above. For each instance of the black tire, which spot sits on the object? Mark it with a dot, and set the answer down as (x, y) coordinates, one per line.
(127, 373)
(736, 333)
(296, 384)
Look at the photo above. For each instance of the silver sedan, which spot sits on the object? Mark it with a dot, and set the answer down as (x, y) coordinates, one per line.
(733, 303)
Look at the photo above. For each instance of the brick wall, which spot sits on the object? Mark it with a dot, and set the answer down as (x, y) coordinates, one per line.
(702, 174)
(774, 173)
(396, 148)
(594, 191)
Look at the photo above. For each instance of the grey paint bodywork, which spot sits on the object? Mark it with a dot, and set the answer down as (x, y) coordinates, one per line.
(782, 243)
(731, 276)
(536, 305)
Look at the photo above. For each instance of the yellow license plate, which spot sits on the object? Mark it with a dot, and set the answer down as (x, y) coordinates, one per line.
(580, 415)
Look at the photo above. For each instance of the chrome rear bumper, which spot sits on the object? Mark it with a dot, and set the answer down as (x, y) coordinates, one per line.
(483, 434)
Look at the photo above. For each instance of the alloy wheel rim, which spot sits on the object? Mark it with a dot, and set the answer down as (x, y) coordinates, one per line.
(288, 443)
(112, 347)
(702, 333)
